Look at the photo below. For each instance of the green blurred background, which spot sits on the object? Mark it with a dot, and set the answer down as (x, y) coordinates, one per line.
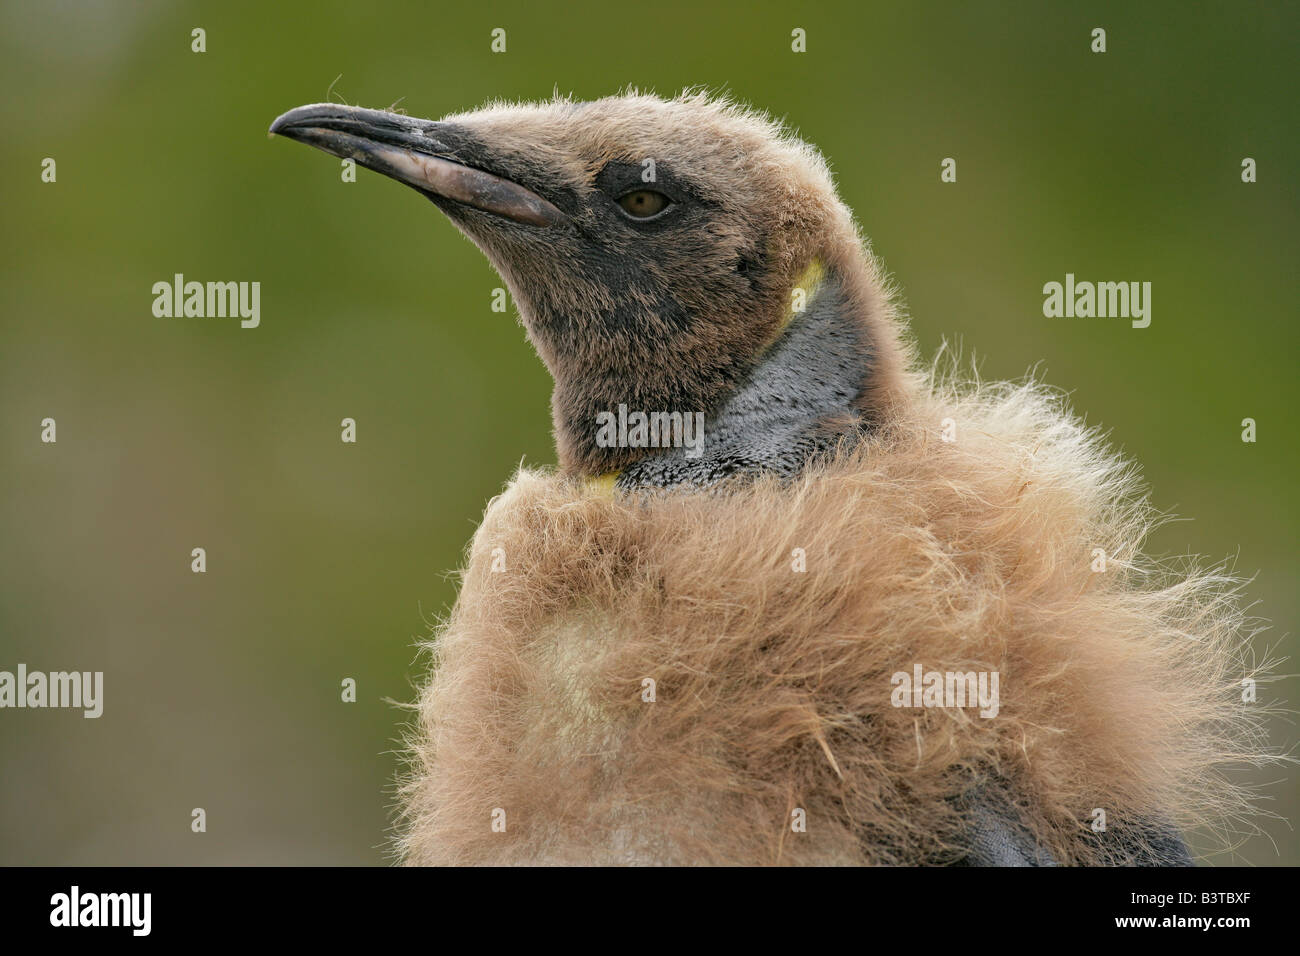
(327, 560)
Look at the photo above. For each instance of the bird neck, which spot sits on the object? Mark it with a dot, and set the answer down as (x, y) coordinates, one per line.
(801, 396)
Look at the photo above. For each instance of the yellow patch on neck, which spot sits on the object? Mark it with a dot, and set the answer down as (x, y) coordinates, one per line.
(603, 484)
(802, 295)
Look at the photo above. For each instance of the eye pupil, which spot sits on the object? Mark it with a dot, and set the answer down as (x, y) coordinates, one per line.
(643, 203)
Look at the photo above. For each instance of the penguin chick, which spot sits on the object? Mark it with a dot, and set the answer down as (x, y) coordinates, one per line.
(689, 257)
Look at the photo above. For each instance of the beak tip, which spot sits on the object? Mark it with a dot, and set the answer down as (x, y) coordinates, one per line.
(405, 152)
(285, 122)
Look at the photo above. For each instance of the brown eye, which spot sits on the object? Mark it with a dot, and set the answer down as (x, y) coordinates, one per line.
(643, 203)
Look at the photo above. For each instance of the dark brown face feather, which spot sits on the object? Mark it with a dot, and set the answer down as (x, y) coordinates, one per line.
(661, 313)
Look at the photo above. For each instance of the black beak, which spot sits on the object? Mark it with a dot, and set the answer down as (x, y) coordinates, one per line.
(415, 152)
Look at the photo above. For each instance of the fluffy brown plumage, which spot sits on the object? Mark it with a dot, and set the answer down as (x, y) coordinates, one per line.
(1120, 690)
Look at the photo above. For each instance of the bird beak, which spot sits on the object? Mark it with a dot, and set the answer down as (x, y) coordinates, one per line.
(416, 152)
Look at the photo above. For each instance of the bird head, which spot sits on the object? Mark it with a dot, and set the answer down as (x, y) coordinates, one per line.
(651, 246)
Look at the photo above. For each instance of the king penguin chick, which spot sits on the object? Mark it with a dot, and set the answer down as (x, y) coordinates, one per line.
(654, 679)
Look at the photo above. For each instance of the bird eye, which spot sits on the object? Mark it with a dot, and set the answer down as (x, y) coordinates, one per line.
(644, 203)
